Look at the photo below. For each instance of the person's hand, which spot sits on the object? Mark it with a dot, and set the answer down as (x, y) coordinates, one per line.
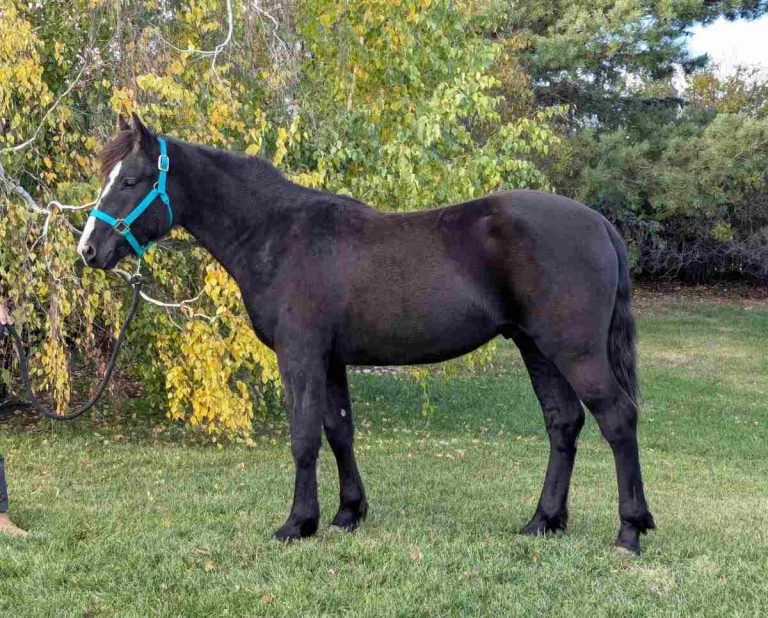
(5, 319)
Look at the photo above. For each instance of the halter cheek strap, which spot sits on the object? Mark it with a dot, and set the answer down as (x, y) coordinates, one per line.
(123, 226)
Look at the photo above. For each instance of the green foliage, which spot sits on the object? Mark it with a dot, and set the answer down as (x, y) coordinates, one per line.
(742, 91)
(691, 181)
(405, 109)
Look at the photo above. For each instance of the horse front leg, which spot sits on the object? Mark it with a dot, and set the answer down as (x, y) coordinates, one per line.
(304, 381)
(339, 429)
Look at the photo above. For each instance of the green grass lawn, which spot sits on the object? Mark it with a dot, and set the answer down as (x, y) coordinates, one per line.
(129, 523)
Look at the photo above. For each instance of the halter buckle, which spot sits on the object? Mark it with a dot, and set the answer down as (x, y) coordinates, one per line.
(163, 163)
(121, 227)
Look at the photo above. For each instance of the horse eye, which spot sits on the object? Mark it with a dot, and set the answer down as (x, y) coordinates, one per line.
(129, 182)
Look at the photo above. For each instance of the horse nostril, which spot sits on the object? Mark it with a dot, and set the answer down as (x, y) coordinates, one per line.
(89, 252)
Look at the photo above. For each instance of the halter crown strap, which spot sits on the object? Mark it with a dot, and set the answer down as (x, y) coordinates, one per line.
(123, 226)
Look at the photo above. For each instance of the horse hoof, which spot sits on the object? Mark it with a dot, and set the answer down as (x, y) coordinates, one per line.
(541, 525)
(626, 552)
(349, 518)
(286, 534)
(293, 532)
(628, 539)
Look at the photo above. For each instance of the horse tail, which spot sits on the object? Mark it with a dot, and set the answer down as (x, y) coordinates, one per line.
(622, 334)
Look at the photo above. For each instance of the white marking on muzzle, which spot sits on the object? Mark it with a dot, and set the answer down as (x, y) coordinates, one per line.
(92, 220)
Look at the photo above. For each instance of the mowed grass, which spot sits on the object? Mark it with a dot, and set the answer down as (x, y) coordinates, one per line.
(129, 523)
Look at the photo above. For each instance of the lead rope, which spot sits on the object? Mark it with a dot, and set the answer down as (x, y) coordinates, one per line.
(35, 403)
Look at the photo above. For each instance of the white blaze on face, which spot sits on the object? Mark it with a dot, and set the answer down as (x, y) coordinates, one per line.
(92, 220)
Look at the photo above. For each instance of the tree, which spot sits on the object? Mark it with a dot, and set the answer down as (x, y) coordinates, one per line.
(612, 61)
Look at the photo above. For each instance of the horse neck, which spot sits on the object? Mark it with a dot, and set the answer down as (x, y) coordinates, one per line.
(233, 206)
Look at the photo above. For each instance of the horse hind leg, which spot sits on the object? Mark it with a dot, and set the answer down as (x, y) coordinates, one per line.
(593, 380)
(564, 418)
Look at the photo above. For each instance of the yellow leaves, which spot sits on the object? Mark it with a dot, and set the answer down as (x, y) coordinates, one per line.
(330, 16)
(255, 134)
(203, 382)
(57, 53)
(122, 100)
(23, 92)
(722, 231)
(165, 87)
(285, 138)
(315, 179)
(209, 26)
(280, 146)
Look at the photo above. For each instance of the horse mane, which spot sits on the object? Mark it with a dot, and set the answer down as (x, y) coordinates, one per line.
(115, 150)
(121, 144)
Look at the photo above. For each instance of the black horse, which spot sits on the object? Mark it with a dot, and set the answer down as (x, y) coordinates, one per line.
(330, 282)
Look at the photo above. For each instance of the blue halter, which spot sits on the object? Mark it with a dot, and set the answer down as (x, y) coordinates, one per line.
(123, 226)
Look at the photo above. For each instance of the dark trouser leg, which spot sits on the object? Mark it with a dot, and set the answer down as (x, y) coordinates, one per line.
(3, 488)
(564, 418)
(339, 429)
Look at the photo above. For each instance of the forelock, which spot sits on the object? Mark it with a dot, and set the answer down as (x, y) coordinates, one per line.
(115, 150)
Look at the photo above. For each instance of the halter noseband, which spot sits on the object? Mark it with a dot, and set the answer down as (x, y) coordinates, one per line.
(123, 226)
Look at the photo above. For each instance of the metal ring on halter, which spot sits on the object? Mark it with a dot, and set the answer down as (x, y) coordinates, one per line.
(121, 227)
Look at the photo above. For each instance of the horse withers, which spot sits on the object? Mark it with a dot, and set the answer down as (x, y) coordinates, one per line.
(330, 282)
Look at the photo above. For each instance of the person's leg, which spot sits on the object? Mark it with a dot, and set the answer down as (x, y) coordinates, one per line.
(6, 525)
(3, 487)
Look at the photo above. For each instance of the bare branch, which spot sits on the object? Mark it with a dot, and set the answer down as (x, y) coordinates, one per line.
(20, 191)
(182, 304)
(14, 186)
(60, 206)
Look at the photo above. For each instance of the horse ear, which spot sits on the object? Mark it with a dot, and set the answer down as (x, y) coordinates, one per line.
(122, 123)
(141, 135)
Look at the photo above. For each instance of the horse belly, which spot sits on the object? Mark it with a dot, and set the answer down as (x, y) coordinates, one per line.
(413, 333)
